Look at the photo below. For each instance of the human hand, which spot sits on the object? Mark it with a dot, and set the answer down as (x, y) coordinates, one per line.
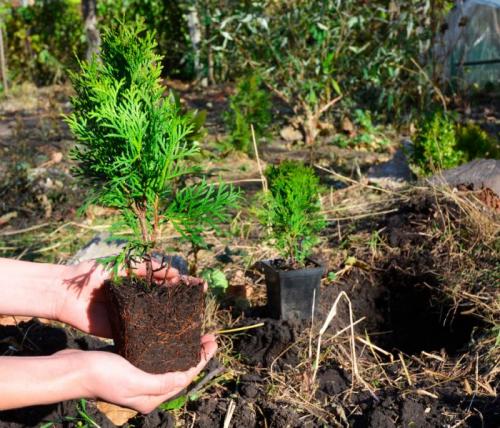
(73, 374)
(82, 302)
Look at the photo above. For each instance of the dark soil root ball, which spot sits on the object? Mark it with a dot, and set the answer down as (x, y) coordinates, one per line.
(157, 328)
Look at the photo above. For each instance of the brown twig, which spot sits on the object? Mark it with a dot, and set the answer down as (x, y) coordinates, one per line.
(257, 157)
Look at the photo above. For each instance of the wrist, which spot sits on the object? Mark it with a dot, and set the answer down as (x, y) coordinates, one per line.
(81, 365)
(51, 379)
(61, 290)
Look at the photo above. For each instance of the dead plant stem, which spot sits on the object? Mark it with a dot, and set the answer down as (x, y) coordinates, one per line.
(257, 157)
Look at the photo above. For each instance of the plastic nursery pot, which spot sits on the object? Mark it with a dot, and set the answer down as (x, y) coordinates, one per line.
(290, 293)
(157, 328)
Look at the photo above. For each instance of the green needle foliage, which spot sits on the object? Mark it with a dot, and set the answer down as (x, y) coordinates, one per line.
(135, 146)
(292, 210)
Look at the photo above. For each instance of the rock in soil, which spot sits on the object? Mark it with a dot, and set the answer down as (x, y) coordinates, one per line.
(290, 134)
(102, 245)
(479, 174)
(393, 173)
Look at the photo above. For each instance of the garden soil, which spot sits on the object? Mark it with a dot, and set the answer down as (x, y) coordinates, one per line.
(407, 311)
(411, 298)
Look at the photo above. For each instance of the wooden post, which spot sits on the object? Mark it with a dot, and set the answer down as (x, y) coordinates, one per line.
(3, 62)
(193, 23)
(89, 12)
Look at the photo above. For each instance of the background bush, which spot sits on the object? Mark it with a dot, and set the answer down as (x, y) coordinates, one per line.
(435, 145)
(379, 57)
(474, 142)
(43, 40)
(250, 105)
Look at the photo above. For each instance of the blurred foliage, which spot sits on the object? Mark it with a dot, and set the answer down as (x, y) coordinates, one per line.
(367, 135)
(476, 143)
(292, 210)
(43, 40)
(442, 143)
(435, 145)
(250, 105)
(166, 18)
(221, 60)
(377, 56)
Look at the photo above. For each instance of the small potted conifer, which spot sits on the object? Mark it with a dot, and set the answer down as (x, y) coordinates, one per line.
(292, 215)
(133, 152)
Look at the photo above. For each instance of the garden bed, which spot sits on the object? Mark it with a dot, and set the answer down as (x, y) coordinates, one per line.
(418, 265)
(423, 304)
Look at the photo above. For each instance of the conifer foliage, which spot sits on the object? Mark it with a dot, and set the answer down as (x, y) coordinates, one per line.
(135, 147)
(292, 210)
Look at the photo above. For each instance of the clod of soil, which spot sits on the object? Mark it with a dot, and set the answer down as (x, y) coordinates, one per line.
(157, 328)
(263, 345)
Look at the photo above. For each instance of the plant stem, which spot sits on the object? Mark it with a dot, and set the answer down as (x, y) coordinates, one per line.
(156, 221)
(193, 266)
(140, 212)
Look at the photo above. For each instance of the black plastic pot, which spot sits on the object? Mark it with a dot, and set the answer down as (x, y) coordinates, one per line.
(290, 293)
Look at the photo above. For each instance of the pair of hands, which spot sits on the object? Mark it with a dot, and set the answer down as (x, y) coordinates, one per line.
(109, 376)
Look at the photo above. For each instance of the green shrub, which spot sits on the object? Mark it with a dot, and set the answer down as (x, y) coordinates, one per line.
(435, 144)
(292, 210)
(135, 149)
(476, 143)
(309, 52)
(250, 105)
(43, 40)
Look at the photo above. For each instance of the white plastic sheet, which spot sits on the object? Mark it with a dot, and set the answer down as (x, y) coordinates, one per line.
(470, 47)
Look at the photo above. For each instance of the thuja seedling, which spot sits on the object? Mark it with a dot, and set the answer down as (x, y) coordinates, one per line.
(135, 147)
(292, 210)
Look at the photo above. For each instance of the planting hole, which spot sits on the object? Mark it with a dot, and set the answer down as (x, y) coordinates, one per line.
(418, 317)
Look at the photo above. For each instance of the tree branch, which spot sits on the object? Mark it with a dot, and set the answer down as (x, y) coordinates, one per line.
(327, 106)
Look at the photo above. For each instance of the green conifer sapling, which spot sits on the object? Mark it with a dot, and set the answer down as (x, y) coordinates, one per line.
(134, 147)
(292, 211)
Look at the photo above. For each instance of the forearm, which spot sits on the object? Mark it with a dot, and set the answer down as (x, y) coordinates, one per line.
(30, 289)
(27, 381)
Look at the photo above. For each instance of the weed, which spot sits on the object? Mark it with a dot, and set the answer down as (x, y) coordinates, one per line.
(369, 135)
(83, 420)
(217, 281)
